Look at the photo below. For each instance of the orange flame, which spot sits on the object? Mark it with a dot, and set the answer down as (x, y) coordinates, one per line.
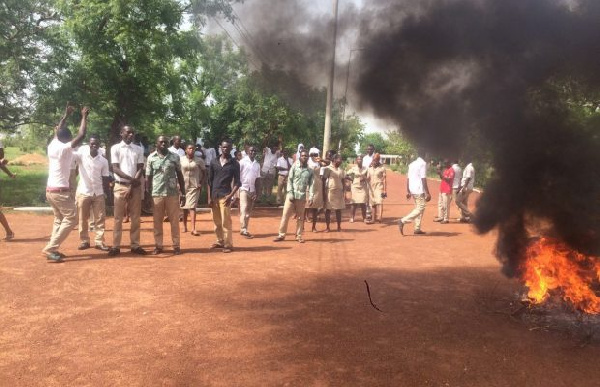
(552, 267)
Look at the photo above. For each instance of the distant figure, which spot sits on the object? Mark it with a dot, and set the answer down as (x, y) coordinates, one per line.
(58, 192)
(284, 164)
(268, 170)
(455, 183)
(377, 188)
(359, 189)
(176, 146)
(297, 155)
(464, 191)
(249, 176)
(194, 175)
(91, 193)
(335, 200)
(165, 183)
(127, 161)
(367, 160)
(9, 232)
(300, 181)
(223, 174)
(416, 187)
(318, 203)
(445, 197)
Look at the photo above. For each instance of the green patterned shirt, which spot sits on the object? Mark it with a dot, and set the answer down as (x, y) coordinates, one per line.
(162, 172)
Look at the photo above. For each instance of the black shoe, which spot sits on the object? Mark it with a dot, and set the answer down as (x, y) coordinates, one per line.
(465, 220)
(419, 232)
(102, 247)
(139, 251)
(176, 251)
(84, 246)
(157, 250)
(55, 256)
(114, 251)
(401, 227)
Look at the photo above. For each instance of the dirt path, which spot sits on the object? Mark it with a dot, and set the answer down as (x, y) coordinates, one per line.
(276, 314)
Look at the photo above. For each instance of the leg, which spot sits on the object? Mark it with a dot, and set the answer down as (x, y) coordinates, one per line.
(218, 222)
(314, 219)
(119, 209)
(4, 222)
(135, 212)
(172, 210)
(157, 217)
(83, 208)
(327, 220)
(363, 211)
(353, 212)
(63, 203)
(374, 212)
(299, 208)
(244, 215)
(338, 218)
(420, 207)
(99, 211)
(380, 209)
(440, 206)
(185, 216)
(288, 209)
(193, 221)
(226, 219)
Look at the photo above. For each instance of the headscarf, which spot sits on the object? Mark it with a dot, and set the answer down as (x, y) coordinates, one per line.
(300, 148)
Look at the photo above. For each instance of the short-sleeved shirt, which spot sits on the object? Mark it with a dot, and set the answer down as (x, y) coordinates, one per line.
(299, 181)
(162, 170)
(91, 171)
(249, 172)
(128, 156)
(457, 176)
(446, 187)
(281, 163)
(192, 171)
(469, 172)
(270, 161)
(417, 170)
(220, 177)
(178, 151)
(60, 158)
(367, 160)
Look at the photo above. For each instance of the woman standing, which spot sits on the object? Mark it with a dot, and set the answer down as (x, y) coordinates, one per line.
(359, 189)
(377, 187)
(194, 174)
(335, 176)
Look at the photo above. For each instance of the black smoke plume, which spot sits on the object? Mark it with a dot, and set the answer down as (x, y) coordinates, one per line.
(512, 73)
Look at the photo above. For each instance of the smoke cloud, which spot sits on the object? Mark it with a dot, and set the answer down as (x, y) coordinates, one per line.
(486, 72)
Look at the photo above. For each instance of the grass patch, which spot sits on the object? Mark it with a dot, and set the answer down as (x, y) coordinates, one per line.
(27, 189)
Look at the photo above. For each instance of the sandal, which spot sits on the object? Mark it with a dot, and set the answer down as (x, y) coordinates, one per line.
(216, 246)
(195, 233)
(9, 236)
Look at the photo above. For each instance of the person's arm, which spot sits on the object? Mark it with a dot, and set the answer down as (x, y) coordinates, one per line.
(384, 183)
(426, 189)
(75, 142)
(63, 120)
(181, 186)
(149, 176)
(311, 189)
(408, 194)
(209, 182)
(290, 184)
(237, 183)
(257, 185)
(105, 175)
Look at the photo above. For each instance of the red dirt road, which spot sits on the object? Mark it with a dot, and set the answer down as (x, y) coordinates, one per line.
(276, 314)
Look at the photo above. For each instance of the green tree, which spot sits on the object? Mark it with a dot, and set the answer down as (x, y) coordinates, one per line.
(378, 141)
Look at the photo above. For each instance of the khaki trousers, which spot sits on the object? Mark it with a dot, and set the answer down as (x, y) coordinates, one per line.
(444, 201)
(96, 205)
(166, 205)
(417, 213)
(267, 184)
(246, 206)
(289, 209)
(65, 218)
(462, 201)
(135, 210)
(221, 215)
(281, 188)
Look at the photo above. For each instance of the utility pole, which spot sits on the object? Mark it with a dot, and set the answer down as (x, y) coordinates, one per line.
(327, 131)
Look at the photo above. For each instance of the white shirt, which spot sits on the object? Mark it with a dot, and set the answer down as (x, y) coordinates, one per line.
(457, 176)
(209, 155)
(60, 157)
(178, 151)
(282, 164)
(249, 172)
(91, 171)
(417, 170)
(128, 156)
(469, 172)
(270, 161)
(367, 160)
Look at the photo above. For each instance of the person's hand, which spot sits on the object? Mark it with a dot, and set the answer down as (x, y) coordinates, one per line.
(128, 194)
(228, 201)
(427, 197)
(135, 182)
(310, 203)
(85, 112)
(69, 109)
(182, 200)
(253, 196)
(408, 195)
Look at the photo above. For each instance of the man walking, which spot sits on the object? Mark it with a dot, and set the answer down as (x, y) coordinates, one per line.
(9, 232)
(455, 183)
(176, 146)
(416, 187)
(464, 191)
(222, 172)
(284, 164)
(58, 193)
(445, 197)
(93, 178)
(300, 180)
(367, 160)
(128, 165)
(249, 175)
(163, 175)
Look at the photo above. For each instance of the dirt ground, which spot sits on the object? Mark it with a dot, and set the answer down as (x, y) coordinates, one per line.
(277, 313)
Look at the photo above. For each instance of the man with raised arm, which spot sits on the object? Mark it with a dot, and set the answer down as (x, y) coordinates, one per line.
(58, 193)
(128, 165)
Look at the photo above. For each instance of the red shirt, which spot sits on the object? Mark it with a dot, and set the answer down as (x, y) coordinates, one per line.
(446, 187)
